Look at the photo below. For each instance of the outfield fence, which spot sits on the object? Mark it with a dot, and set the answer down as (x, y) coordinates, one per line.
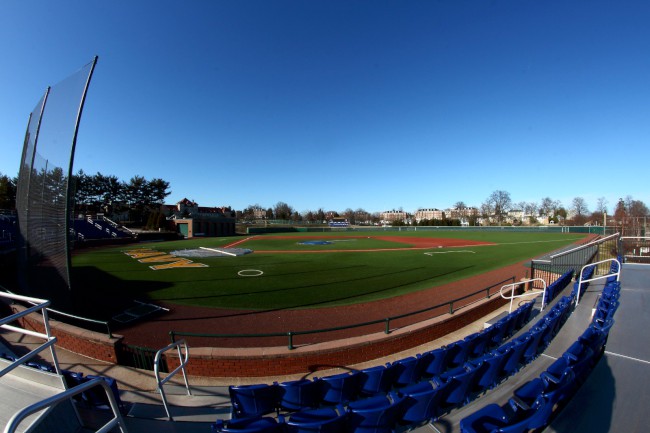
(448, 307)
(288, 227)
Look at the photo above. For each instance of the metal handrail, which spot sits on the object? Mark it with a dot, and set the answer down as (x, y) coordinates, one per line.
(532, 292)
(599, 277)
(71, 316)
(117, 421)
(592, 243)
(183, 361)
(386, 321)
(50, 340)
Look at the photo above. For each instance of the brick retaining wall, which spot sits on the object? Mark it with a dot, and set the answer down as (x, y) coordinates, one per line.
(274, 361)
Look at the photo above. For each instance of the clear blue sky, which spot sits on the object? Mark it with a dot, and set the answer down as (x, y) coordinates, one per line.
(337, 104)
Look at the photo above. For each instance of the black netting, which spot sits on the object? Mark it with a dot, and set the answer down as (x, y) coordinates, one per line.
(43, 185)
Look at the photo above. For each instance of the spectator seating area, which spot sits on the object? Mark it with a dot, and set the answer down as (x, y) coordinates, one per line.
(532, 405)
(8, 233)
(411, 392)
(402, 394)
(86, 229)
(558, 285)
(92, 398)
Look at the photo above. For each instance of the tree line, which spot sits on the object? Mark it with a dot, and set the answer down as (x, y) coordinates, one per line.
(140, 198)
(98, 193)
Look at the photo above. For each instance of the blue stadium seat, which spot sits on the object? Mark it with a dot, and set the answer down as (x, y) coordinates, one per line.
(254, 400)
(478, 344)
(340, 388)
(377, 380)
(595, 337)
(434, 362)
(96, 397)
(324, 420)
(375, 414)
(489, 369)
(300, 394)
(581, 359)
(504, 419)
(533, 348)
(248, 425)
(423, 401)
(460, 381)
(497, 332)
(406, 371)
(553, 391)
(515, 354)
(458, 353)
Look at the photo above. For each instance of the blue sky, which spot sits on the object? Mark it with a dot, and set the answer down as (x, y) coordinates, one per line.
(345, 104)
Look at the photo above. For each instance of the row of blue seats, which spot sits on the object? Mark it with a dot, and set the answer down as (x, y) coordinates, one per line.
(254, 400)
(95, 230)
(413, 404)
(558, 285)
(94, 397)
(533, 404)
(587, 274)
(614, 269)
(32, 364)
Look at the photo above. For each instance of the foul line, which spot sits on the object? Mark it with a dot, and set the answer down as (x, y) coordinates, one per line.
(239, 242)
(530, 242)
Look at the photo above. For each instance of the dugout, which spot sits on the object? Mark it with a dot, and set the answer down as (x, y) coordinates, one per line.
(204, 226)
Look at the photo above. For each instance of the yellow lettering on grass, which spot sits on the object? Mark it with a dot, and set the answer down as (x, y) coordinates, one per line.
(182, 263)
(145, 252)
(162, 257)
(147, 255)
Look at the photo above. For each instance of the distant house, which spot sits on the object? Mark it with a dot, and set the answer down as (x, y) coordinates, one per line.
(392, 216)
(191, 220)
(429, 214)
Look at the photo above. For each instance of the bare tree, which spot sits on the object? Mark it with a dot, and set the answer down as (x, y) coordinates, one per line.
(349, 215)
(636, 209)
(601, 205)
(530, 208)
(580, 210)
(546, 207)
(487, 210)
(282, 211)
(501, 202)
(579, 206)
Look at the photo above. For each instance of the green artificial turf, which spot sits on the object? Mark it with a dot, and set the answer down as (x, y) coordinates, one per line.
(305, 280)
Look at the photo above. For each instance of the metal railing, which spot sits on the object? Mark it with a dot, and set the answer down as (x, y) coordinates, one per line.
(598, 277)
(116, 421)
(102, 323)
(635, 249)
(386, 321)
(574, 258)
(530, 293)
(183, 359)
(50, 340)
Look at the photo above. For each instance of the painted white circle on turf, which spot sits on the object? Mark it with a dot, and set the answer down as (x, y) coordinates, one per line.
(250, 273)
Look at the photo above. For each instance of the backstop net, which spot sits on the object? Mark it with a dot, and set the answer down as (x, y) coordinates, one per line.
(44, 190)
